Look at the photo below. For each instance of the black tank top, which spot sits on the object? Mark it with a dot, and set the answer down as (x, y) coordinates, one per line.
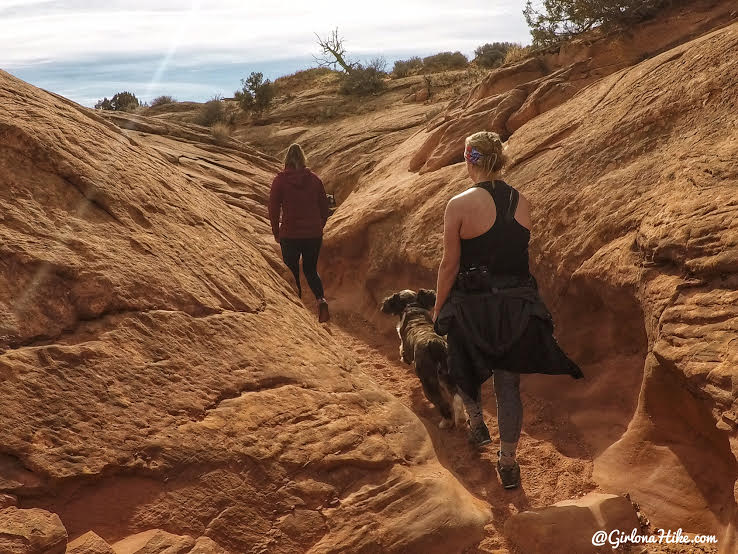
(504, 247)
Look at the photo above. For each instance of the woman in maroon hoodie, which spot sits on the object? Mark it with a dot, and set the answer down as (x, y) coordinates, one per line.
(299, 197)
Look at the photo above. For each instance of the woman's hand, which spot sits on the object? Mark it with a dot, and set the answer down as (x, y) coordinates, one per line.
(436, 311)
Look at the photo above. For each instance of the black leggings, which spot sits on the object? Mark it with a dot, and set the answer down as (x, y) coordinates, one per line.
(309, 249)
(509, 406)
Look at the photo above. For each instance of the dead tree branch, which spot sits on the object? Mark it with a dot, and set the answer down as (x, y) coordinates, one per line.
(333, 53)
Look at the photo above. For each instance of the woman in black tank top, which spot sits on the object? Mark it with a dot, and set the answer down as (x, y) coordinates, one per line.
(504, 247)
(488, 302)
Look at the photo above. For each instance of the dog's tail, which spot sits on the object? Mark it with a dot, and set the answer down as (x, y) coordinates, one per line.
(438, 350)
(449, 402)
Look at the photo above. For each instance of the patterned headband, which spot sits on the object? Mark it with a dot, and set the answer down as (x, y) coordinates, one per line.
(472, 155)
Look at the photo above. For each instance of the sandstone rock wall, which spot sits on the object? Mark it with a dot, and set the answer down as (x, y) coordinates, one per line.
(513, 95)
(157, 371)
(634, 186)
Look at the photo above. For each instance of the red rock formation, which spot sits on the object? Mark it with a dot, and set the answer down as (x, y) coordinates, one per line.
(157, 371)
(513, 95)
(31, 532)
(154, 541)
(89, 543)
(152, 354)
(570, 525)
(633, 183)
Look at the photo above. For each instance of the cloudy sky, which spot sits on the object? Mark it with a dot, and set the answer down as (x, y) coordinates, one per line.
(194, 49)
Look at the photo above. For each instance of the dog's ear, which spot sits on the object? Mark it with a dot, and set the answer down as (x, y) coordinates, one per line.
(389, 304)
(396, 303)
(427, 298)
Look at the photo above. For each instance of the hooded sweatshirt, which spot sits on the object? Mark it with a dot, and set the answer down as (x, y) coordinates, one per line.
(299, 196)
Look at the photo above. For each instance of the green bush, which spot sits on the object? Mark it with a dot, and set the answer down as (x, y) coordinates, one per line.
(212, 112)
(256, 95)
(445, 60)
(559, 20)
(492, 54)
(403, 68)
(363, 80)
(161, 101)
(121, 102)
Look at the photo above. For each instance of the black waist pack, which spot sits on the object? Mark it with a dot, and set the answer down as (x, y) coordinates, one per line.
(471, 287)
(480, 279)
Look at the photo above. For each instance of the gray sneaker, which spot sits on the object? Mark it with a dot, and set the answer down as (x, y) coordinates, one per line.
(509, 474)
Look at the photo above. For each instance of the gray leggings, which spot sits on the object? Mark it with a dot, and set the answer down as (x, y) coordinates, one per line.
(509, 406)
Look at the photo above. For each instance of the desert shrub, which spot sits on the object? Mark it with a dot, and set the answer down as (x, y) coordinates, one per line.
(161, 101)
(221, 132)
(491, 54)
(445, 60)
(121, 102)
(213, 111)
(403, 68)
(256, 95)
(302, 77)
(559, 20)
(363, 80)
(517, 53)
(231, 118)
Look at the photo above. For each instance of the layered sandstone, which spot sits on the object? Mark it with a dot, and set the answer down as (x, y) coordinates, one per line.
(513, 95)
(164, 389)
(633, 181)
(570, 525)
(159, 373)
(31, 532)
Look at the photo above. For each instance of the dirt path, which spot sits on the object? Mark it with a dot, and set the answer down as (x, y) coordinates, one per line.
(547, 474)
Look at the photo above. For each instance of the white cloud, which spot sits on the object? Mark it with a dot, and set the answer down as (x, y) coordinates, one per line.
(84, 49)
(68, 30)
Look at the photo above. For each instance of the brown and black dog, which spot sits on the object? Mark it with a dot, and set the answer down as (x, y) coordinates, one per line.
(420, 345)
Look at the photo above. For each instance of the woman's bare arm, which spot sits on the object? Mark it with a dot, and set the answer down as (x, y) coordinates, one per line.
(449, 267)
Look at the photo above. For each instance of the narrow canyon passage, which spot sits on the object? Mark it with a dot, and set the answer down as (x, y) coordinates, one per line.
(548, 474)
(560, 439)
(160, 375)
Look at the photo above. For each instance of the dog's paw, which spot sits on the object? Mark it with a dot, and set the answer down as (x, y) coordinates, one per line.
(459, 411)
(446, 424)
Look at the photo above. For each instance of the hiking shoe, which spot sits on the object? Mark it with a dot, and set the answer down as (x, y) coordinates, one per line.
(323, 314)
(509, 474)
(479, 436)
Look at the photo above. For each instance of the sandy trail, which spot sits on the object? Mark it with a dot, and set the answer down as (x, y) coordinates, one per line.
(547, 474)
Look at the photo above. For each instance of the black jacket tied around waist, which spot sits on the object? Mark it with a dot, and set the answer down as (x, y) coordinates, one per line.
(499, 321)
(492, 310)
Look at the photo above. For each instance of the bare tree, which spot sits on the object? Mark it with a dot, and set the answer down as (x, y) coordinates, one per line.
(333, 53)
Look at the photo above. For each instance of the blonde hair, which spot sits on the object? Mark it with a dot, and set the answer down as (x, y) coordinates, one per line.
(490, 146)
(295, 157)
